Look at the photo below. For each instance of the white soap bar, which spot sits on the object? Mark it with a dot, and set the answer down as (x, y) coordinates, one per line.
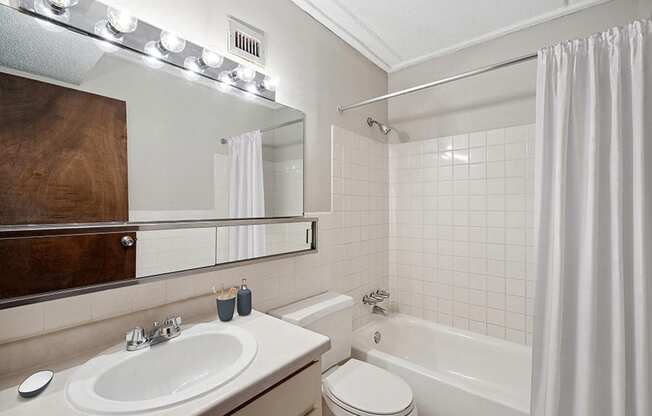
(35, 383)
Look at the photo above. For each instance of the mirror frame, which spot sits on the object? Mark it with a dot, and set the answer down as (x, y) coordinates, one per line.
(81, 229)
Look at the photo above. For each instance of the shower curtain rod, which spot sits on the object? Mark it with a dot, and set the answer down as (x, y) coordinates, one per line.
(278, 126)
(467, 74)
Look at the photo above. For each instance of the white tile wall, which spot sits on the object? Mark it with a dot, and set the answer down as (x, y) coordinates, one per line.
(352, 259)
(461, 230)
(358, 229)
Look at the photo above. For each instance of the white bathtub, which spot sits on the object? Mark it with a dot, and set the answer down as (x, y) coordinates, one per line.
(451, 372)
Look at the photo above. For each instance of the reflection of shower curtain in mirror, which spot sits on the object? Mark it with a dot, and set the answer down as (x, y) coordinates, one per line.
(246, 195)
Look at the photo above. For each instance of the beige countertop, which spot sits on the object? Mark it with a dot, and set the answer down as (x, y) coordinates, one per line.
(283, 348)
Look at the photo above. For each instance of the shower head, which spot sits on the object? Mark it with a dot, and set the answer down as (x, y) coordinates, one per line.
(384, 128)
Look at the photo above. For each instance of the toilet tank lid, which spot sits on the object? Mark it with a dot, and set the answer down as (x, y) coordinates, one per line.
(309, 310)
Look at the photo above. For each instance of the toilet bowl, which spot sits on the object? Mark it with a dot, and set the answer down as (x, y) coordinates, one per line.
(350, 387)
(361, 389)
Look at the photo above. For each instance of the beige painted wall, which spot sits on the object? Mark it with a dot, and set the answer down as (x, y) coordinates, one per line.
(501, 98)
(317, 71)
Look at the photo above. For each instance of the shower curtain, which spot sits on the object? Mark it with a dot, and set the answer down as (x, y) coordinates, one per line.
(246, 195)
(593, 210)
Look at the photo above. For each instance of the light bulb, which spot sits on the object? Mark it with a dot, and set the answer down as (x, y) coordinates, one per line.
(104, 30)
(45, 8)
(270, 83)
(152, 48)
(244, 73)
(212, 59)
(63, 4)
(252, 88)
(191, 64)
(121, 20)
(172, 42)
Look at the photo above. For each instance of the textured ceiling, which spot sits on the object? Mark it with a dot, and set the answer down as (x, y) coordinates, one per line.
(26, 45)
(395, 34)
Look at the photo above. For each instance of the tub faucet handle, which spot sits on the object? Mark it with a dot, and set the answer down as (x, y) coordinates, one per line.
(378, 310)
(369, 300)
(377, 297)
(382, 293)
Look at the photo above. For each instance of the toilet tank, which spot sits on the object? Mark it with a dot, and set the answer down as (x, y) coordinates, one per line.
(329, 314)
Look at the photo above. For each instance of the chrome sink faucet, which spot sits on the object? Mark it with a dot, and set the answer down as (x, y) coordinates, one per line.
(136, 339)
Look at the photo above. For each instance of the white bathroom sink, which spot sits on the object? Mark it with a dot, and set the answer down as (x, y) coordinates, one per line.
(204, 357)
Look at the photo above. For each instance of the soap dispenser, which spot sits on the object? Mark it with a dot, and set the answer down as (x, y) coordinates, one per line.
(244, 299)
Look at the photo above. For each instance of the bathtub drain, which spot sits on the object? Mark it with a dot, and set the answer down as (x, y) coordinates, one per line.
(377, 337)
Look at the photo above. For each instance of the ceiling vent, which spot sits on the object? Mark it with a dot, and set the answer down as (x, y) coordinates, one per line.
(246, 41)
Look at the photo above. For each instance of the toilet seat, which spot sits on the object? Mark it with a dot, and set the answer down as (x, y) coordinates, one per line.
(363, 389)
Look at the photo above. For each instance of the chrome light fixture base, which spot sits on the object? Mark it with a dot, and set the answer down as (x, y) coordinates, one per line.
(157, 47)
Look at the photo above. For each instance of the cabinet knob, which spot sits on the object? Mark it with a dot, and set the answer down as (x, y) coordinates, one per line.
(127, 241)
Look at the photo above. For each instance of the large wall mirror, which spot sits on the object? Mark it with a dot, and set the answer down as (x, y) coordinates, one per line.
(144, 143)
(184, 146)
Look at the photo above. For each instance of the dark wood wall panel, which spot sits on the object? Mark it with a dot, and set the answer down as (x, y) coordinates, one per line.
(63, 154)
(37, 265)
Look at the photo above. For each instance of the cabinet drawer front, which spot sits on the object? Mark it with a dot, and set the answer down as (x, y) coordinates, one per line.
(297, 396)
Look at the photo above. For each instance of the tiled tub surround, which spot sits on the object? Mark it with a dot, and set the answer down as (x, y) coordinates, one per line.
(359, 225)
(461, 230)
(352, 259)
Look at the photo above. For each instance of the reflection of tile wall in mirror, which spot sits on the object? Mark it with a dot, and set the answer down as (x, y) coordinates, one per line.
(166, 251)
(240, 243)
(283, 171)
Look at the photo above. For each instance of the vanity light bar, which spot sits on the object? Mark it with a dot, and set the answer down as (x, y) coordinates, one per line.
(118, 27)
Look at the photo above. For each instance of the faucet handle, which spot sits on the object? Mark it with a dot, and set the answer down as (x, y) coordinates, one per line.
(173, 321)
(382, 293)
(370, 300)
(135, 338)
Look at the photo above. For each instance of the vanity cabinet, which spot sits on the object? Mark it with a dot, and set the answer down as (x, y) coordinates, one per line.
(297, 395)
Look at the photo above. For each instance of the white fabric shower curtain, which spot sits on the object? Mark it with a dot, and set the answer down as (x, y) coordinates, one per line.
(246, 195)
(593, 209)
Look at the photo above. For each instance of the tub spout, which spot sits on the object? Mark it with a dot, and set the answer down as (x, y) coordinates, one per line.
(378, 310)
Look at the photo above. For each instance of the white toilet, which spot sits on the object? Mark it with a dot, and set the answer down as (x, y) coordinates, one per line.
(351, 388)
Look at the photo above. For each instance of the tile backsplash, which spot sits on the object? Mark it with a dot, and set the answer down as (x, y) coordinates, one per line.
(461, 230)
